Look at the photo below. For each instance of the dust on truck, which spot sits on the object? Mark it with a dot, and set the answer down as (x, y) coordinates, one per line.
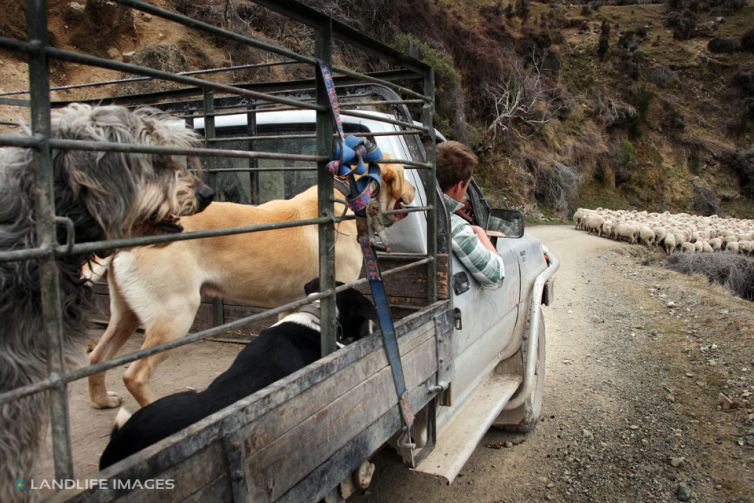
(471, 357)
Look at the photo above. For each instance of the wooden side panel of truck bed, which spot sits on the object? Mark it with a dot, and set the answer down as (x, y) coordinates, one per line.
(297, 438)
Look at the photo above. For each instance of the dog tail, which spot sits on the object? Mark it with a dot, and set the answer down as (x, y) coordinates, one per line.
(120, 419)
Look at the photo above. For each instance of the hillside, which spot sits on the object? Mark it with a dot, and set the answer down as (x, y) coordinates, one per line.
(624, 106)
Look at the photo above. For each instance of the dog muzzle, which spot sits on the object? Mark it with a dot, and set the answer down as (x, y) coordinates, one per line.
(397, 217)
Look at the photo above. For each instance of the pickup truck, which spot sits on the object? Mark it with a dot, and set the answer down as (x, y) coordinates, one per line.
(473, 359)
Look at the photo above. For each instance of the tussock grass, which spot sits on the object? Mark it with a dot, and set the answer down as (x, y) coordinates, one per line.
(736, 272)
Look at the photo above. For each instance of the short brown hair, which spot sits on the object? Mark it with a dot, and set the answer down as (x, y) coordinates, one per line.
(455, 163)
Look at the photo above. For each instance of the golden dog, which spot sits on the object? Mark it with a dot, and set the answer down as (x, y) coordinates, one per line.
(161, 286)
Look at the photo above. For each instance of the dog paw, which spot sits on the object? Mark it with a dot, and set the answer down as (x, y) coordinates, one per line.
(111, 401)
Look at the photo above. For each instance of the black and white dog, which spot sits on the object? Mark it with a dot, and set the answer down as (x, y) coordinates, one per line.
(289, 345)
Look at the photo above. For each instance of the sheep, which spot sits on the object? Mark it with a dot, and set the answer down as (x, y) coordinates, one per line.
(579, 215)
(646, 235)
(627, 232)
(592, 223)
(747, 247)
(669, 243)
(606, 229)
(660, 233)
(670, 231)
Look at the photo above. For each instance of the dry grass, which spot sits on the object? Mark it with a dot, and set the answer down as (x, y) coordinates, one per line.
(736, 272)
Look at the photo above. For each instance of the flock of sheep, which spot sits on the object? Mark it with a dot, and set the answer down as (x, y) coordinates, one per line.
(673, 232)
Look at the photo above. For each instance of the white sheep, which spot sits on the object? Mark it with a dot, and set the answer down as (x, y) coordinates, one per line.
(646, 235)
(660, 233)
(669, 243)
(628, 232)
(579, 215)
(671, 231)
(607, 228)
(716, 244)
(592, 223)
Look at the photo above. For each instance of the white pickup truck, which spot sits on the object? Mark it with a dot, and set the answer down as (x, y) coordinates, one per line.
(472, 359)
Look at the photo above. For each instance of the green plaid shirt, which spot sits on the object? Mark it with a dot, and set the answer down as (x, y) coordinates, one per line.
(485, 266)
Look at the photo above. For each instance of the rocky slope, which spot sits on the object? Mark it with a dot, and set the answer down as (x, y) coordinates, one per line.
(627, 104)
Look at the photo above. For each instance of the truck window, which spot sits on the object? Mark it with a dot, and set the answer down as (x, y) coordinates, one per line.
(259, 187)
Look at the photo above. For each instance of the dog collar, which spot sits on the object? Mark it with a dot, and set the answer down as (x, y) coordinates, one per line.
(314, 310)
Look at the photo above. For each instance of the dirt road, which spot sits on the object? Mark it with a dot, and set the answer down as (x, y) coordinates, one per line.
(637, 357)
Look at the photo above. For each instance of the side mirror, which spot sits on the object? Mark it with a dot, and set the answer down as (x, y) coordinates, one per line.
(505, 223)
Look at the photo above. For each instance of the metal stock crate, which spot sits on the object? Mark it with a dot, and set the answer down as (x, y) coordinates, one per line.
(212, 457)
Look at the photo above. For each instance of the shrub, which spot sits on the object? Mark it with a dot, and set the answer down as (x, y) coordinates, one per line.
(604, 43)
(626, 152)
(747, 41)
(448, 91)
(705, 200)
(624, 162)
(643, 97)
(662, 76)
(555, 186)
(522, 9)
(722, 45)
(509, 11)
(683, 24)
(672, 118)
(742, 164)
(743, 82)
(714, 7)
(736, 272)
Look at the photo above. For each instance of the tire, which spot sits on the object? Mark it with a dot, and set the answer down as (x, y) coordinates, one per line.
(526, 417)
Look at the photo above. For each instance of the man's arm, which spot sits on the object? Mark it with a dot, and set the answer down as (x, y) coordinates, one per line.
(484, 238)
(478, 256)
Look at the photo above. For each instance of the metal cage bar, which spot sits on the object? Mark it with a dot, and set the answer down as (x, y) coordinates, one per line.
(323, 51)
(103, 83)
(45, 220)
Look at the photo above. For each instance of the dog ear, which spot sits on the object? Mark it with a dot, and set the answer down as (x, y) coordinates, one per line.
(387, 173)
(366, 308)
(313, 286)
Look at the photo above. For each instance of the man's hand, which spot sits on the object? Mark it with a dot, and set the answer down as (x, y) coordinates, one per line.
(485, 240)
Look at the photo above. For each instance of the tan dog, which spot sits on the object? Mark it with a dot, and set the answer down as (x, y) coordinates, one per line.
(161, 286)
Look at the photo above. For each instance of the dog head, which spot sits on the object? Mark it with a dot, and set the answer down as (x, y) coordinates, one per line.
(126, 194)
(355, 312)
(396, 192)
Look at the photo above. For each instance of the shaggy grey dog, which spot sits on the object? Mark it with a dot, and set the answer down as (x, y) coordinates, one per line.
(107, 195)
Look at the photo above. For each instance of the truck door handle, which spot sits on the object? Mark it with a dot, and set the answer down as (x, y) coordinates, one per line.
(457, 319)
(461, 282)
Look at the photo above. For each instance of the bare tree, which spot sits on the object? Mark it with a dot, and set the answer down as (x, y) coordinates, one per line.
(522, 97)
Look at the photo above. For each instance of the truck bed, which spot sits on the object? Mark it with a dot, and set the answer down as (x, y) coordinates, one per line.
(337, 411)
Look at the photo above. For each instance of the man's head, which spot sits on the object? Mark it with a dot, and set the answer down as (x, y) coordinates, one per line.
(455, 167)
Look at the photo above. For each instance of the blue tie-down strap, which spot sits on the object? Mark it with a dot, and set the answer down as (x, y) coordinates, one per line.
(389, 339)
(358, 156)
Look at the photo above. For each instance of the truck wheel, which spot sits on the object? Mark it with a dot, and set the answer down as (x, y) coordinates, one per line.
(526, 417)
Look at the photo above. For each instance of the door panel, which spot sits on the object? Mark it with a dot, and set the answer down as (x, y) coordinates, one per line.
(488, 316)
